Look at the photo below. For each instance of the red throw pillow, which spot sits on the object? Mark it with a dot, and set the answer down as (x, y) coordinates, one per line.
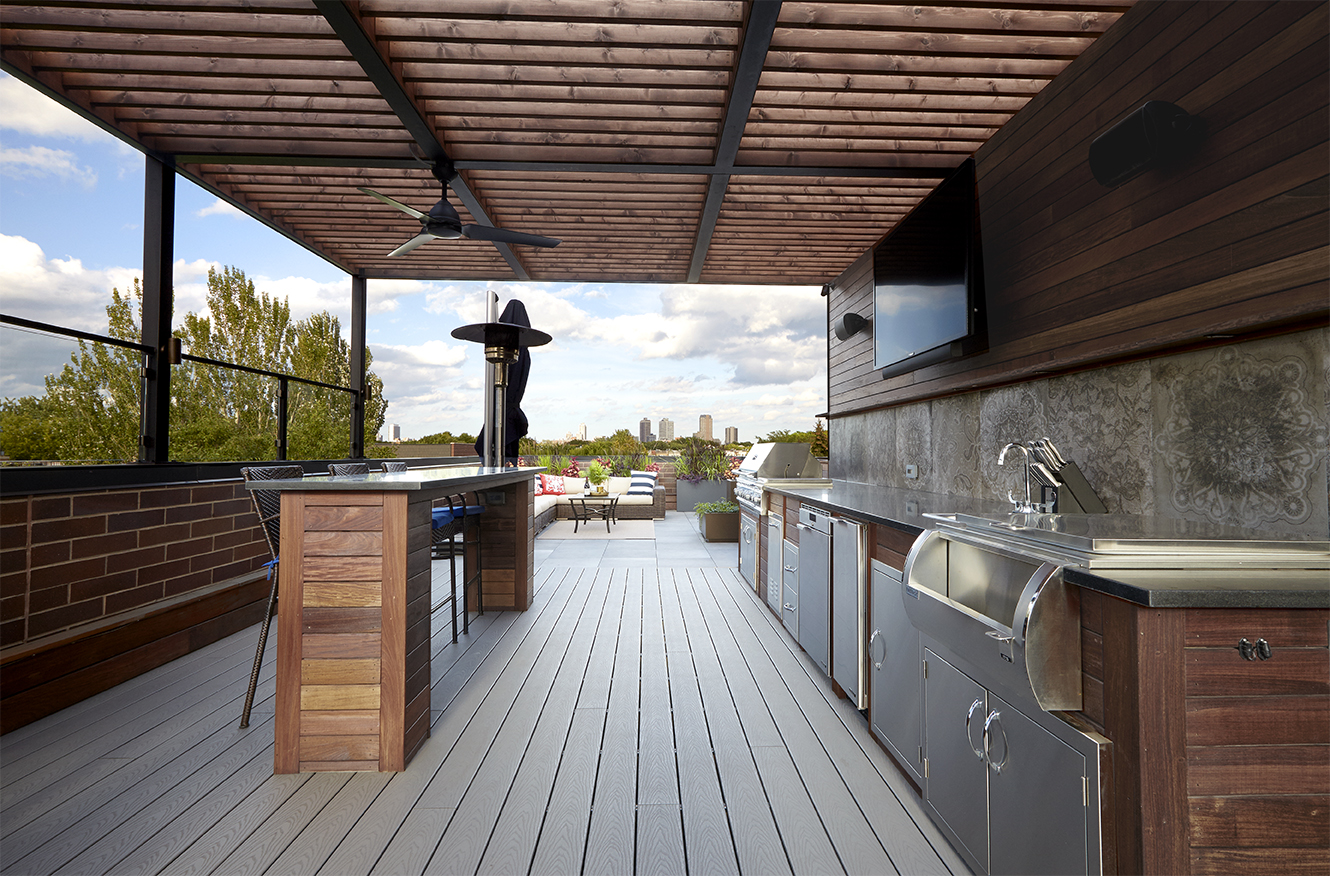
(540, 486)
(553, 484)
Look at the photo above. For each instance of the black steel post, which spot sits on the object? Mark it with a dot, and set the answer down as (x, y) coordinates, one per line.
(158, 300)
(358, 298)
(282, 385)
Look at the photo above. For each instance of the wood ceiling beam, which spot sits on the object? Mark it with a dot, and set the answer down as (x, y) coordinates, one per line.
(757, 33)
(346, 24)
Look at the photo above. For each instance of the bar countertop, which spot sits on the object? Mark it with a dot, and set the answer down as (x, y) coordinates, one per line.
(1242, 585)
(441, 477)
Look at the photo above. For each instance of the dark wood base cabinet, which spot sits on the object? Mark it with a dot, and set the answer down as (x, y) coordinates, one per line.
(1221, 759)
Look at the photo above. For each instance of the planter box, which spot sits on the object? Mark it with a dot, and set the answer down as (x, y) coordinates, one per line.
(723, 526)
(689, 493)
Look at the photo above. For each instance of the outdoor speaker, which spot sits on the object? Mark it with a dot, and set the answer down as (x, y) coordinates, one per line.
(850, 324)
(1152, 136)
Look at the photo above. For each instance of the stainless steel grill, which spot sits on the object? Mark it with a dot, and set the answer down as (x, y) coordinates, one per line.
(775, 465)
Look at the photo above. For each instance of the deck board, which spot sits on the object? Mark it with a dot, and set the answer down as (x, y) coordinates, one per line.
(648, 717)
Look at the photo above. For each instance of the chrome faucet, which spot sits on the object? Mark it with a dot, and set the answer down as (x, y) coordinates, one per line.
(1027, 506)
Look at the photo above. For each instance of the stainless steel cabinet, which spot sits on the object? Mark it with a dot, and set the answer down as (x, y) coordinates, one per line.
(789, 608)
(896, 700)
(849, 609)
(748, 547)
(815, 585)
(1013, 797)
(771, 545)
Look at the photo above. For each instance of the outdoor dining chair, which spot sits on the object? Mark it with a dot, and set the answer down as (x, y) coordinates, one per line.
(394, 465)
(348, 468)
(268, 507)
(447, 522)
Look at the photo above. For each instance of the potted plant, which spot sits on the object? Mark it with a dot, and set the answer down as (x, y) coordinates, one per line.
(704, 474)
(719, 521)
(598, 474)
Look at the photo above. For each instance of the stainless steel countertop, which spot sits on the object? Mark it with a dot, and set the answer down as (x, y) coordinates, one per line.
(443, 477)
(1120, 555)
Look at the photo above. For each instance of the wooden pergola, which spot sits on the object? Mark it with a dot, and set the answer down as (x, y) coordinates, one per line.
(680, 141)
(676, 141)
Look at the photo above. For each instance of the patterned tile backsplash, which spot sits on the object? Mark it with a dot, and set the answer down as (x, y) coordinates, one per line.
(1234, 435)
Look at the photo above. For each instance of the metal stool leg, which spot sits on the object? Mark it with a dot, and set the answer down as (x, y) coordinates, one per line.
(258, 653)
(452, 577)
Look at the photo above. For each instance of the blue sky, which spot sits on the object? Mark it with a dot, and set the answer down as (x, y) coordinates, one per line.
(71, 214)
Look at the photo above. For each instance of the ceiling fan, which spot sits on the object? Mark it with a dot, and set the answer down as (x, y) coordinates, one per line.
(443, 223)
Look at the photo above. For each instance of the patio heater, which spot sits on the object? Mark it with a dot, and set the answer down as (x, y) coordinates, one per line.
(503, 344)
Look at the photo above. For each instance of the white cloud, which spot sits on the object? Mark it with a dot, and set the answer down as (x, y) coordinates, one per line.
(27, 111)
(220, 208)
(38, 162)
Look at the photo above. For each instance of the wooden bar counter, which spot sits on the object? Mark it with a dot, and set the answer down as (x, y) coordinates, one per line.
(353, 613)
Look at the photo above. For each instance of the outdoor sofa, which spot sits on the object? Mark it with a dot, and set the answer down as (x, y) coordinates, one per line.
(639, 505)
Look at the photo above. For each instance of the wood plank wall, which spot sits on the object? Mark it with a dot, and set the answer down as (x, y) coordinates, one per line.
(1232, 242)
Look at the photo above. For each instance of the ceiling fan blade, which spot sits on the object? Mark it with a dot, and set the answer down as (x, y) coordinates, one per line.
(422, 237)
(500, 235)
(410, 211)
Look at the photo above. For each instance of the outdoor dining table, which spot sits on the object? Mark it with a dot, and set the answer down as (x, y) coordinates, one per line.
(353, 643)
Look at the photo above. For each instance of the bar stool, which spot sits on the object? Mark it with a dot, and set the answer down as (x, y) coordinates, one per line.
(268, 507)
(448, 522)
(348, 468)
(394, 465)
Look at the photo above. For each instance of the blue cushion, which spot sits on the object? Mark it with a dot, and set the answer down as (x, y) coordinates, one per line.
(643, 483)
(443, 516)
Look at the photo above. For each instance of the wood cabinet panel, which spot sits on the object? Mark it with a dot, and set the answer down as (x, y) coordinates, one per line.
(1281, 627)
(339, 696)
(342, 593)
(350, 518)
(1258, 720)
(1284, 861)
(363, 671)
(342, 722)
(337, 619)
(1290, 671)
(339, 748)
(343, 569)
(1258, 769)
(1247, 822)
(339, 645)
(344, 544)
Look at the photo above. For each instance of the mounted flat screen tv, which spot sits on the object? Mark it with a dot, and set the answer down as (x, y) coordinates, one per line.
(928, 278)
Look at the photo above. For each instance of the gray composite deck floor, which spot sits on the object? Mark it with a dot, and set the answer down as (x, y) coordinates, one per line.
(647, 715)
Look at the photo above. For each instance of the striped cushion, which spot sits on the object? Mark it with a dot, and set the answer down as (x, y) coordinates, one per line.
(643, 483)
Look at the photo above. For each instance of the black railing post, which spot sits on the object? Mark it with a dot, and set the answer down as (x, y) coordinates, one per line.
(358, 305)
(158, 301)
(281, 417)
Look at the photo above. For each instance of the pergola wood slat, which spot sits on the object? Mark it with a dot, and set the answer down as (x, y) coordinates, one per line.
(602, 124)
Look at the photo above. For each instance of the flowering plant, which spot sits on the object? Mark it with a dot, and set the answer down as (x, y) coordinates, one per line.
(572, 471)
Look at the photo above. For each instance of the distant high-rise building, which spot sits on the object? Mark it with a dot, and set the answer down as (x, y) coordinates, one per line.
(731, 434)
(581, 431)
(704, 427)
(644, 430)
(397, 434)
(666, 429)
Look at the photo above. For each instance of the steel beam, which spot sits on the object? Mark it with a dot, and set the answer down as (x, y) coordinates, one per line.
(752, 55)
(365, 52)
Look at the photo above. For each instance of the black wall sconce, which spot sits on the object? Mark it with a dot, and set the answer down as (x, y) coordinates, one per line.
(851, 324)
(1152, 136)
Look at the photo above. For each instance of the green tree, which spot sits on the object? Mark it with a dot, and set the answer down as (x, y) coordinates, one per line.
(27, 429)
(91, 407)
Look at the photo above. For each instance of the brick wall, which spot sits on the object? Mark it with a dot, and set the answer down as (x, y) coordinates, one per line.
(69, 561)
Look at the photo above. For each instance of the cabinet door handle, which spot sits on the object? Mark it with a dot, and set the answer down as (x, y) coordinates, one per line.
(877, 636)
(994, 719)
(789, 607)
(969, 717)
